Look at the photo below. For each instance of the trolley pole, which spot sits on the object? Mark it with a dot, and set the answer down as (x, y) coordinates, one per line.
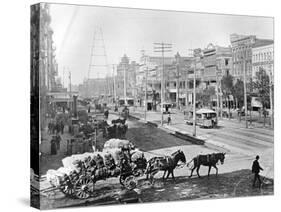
(162, 47)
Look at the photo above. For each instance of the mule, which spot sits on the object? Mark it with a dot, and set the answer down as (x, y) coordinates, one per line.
(210, 160)
(164, 163)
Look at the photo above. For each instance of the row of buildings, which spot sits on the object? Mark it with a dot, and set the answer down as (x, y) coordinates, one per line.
(246, 52)
(44, 66)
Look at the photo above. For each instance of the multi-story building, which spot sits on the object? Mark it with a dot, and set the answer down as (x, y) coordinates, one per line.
(242, 54)
(217, 62)
(178, 78)
(126, 79)
(263, 58)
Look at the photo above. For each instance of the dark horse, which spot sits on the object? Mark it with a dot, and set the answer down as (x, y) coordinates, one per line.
(165, 163)
(210, 160)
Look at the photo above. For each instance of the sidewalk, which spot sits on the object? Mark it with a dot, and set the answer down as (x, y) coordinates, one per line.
(48, 161)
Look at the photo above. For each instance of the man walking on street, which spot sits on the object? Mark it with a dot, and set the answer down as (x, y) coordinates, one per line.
(58, 140)
(61, 126)
(256, 170)
(169, 119)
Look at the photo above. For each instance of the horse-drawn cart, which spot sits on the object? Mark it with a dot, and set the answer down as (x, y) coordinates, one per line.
(80, 172)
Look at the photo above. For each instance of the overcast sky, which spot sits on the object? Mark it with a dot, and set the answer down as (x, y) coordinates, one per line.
(128, 31)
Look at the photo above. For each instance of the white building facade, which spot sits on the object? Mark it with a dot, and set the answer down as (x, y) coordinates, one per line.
(263, 58)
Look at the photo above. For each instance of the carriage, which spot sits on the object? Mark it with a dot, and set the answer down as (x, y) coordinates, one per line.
(80, 172)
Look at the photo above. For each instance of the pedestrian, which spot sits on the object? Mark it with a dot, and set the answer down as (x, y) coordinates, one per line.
(50, 127)
(169, 119)
(256, 170)
(53, 146)
(61, 126)
(58, 140)
(53, 127)
(106, 113)
(57, 127)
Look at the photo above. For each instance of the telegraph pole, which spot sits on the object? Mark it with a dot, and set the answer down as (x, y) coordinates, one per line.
(217, 92)
(114, 84)
(178, 79)
(145, 103)
(162, 47)
(194, 98)
(245, 93)
(271, 93)
(70, 83)
(125, 87)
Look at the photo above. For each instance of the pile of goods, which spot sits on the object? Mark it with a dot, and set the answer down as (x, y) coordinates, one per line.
(117, 129)
(83, 170)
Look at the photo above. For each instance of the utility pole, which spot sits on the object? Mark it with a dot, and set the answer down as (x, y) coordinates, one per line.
(114, 84)
(178, 78)
(217, 92)
(125, 87)
(70, 83)
(186, 88)
(70, 90)
(245, 92)
(271, 93)
(194, 98)
(145, 100)
(162, 47)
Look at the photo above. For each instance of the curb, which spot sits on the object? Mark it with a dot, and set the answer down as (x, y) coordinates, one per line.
(189, 138)
(178, 134)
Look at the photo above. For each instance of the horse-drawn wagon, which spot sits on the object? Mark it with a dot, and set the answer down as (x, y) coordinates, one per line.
(80, 172)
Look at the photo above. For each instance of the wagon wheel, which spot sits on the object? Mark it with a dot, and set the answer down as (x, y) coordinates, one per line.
(122, 179)
(84, 187)
(130, 182)
(67, 188)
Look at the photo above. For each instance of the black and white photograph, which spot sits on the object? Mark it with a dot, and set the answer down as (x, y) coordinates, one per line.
(143, 105)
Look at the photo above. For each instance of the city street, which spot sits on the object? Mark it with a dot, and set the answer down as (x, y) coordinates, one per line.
(234, 179)
(99, 96)
(231, 135)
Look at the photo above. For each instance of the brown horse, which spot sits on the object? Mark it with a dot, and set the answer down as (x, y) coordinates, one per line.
(165, 163)
(210, 160)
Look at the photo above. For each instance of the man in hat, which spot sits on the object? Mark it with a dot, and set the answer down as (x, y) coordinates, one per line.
(256, 170)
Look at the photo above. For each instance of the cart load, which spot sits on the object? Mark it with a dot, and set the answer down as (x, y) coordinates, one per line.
(118, 143)
(80, 172)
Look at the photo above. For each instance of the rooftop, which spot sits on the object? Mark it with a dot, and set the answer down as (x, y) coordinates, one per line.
(263, 42)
